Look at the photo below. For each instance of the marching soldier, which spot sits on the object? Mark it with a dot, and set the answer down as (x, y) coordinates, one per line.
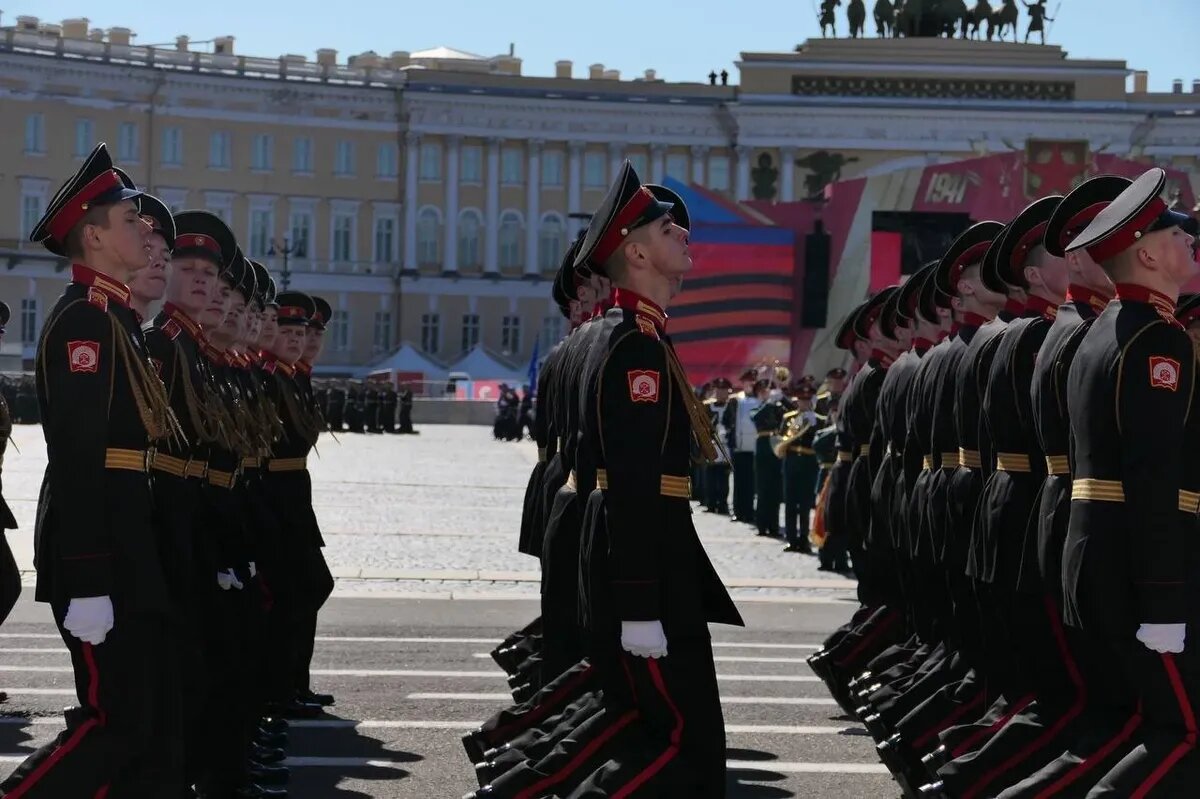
(406, 408)
(768, 485)
(716, 481)
(744, 437)
(387, 407)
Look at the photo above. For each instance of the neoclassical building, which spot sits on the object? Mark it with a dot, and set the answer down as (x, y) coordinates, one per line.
(430, 194)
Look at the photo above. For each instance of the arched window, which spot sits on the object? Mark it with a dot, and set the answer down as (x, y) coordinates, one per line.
(468, 240)
(510, 239)
(429, 228)
(551, 244)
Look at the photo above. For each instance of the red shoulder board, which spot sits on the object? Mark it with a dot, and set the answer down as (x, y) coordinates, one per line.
(172, 329)
(647, 327)
(98, 298)
(1164, 372)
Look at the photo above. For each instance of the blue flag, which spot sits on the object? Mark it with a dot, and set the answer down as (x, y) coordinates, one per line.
(533, 367)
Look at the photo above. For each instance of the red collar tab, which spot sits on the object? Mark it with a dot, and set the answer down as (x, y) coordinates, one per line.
(1076, 224)
(1132, 292)
(884, 359)
(180, 317)
(1127, 235)
(1044, 307)
(621, 224)
(1087, 296)
(74, 209)
(1014, 307)
(644, 308)
(91, 278)
(271, 364)
(972, 319)
(953, 331)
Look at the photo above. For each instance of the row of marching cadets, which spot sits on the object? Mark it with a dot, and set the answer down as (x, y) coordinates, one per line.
(176, 542)
(1022, 498)
(615, 687)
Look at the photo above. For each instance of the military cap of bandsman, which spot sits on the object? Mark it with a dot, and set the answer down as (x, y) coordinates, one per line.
(1013, 245)
(95, 185)
(1078, 209)
(721, 382)
(295, 308)
(749, 374)
(803, 391)
(629, 205)
(1137, 211)
(203, 234)
(836, 373)
(969, 248)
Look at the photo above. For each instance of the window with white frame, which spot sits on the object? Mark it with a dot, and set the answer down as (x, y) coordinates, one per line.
(431, 332)
(552, 168)
(339, 325)
(638, 162)
(176, 199)
(469, 225)
(261, 224)
(510, 335)
(677, 164)
(595, 170)
(511, 167)
(385, 240)
(381, 338)
(387, 160)
(718, 172)
(302, 155)
(171, 153)
(550, 242)
(428, 237)
(343, 158)
(552, 331)
(85, 137)
(300, 238)
(470, 331)
(431, 161)
(220, 150)
(221, 204)
(471, 168)
(33, 205)
(263, 155)
(342, 244)
(509, 236)
(35, 134)
(128, 146)
(29, 317)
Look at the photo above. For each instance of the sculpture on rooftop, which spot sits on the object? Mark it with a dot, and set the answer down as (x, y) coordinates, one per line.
(937, 18)
(827, 17)
(857, 14)
(885, 18)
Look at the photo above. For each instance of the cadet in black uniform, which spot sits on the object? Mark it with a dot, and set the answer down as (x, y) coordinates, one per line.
(97, 550)
(406, 406)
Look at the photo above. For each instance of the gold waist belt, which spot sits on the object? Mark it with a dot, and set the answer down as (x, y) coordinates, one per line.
(1058, 464)
(949, 460)
(927, 462)
(220, 479)
(970, 458)
(251, 463)
(178, 467)
(864, 449)
(845, 455)
(1096, 490)
(670, 485)
(1013, 462)
(804, 451)
(130, 460)
(765, 433)
(572, 482)
(287, 464)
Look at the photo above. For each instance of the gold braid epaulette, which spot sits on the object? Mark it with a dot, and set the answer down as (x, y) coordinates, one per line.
(305, 425)
(149, 393)
(204, 419)
(703, 433)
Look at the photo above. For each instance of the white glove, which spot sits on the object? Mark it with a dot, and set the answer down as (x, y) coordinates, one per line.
(89, 618)
(253, 570)
(645, 639)
(1163, 638)
(227, 579)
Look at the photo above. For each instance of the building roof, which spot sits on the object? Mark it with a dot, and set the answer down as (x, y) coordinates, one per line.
(443, 53)
(482, 364)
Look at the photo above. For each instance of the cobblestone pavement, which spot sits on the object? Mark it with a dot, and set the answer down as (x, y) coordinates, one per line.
(439, 513)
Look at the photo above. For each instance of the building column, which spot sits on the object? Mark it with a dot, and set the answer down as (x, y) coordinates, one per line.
(574, 187)
(699, 159)
(787, 174)
(533, 196)
(743, 173)
(491, 222)
(658, 163)
(450, 250)
(412, 144)
(616, 157)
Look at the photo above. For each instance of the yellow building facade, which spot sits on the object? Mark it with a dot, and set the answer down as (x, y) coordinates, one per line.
(429, 195)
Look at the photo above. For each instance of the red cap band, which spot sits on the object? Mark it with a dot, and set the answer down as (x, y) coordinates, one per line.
(74, 209)
(291, 312)
(199, 241)
(1077, 223)
(1031, 239)
(618, 229)
(969, 256)
(1125, 236)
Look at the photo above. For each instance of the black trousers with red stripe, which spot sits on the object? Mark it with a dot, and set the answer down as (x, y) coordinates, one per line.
(124, 738)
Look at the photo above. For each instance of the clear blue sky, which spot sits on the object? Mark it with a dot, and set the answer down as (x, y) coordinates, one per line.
(682, 42)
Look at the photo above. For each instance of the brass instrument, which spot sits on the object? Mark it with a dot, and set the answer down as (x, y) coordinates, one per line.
(794, 427)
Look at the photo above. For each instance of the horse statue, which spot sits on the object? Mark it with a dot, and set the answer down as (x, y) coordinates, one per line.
(885, 18)
(954, 17)
(827, 18)
(857, 14)
(981, 13)
(1004, 18)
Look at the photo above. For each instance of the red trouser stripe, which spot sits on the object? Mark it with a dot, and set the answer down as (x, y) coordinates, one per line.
(979, 735)
(1091, 760)
(1060, 638)
(885, 623)
(77, 736)
(580, 758)
(1189, 723)
(945, 723)
(672, 748)
(102, 793)
(536, 714)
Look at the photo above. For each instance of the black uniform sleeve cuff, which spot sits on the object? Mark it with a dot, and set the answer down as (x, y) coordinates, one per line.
(1162, 603)
(637, 600)
(90, 575)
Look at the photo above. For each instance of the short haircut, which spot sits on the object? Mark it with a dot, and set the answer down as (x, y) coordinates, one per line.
(96, 215)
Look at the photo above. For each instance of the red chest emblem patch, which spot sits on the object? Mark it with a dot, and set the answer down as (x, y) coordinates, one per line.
(643, 385)
(1164, 372)
(83, 356)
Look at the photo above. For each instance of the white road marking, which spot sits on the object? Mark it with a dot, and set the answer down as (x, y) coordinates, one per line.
(39, 691)
(384, 639)
(341, 762)
(806, 768)
(381, 724)
(725, 700)
(716, 659)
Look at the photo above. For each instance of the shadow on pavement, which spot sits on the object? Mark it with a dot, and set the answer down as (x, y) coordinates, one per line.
(342, 741)
(740, 783)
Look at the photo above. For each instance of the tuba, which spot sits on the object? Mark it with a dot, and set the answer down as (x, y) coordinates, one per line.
(794, 427)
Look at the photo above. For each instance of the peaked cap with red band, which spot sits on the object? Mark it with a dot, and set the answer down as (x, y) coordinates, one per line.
(262, 283)
(870, 311)
(627, 206)
(910, 292)
(204, 234)
(566, 280)
(95, 184)
(1079, 208)
(969, 248)
(322, 312)
(843, 340)
(1135, 212)
(1006, 267)
(930, 298)
(243, 280)
(295, 308)
(889, 316)
(153, 210)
